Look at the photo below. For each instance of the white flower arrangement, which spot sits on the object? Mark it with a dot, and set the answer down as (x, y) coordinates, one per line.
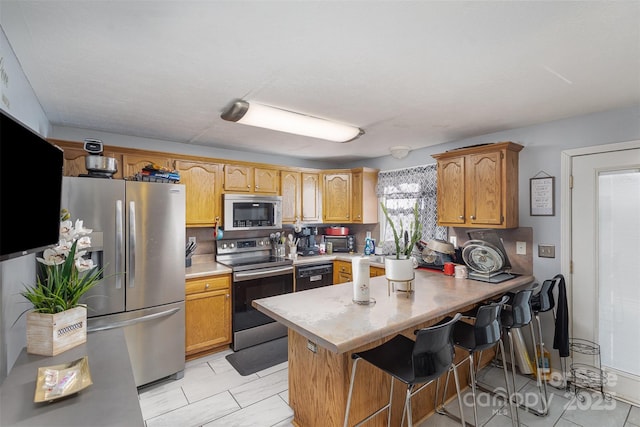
(65, 274)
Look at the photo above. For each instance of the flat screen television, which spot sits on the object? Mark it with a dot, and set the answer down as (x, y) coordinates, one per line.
(30, 189)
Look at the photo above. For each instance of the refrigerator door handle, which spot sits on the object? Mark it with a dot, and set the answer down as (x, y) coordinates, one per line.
(132, 244)
(134, 321)
(119, 245)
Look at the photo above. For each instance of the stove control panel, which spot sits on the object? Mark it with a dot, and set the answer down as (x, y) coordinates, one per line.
(243, 245)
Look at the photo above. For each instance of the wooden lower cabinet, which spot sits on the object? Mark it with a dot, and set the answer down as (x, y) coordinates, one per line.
(342, 272)
(376, 271)
(207, 314)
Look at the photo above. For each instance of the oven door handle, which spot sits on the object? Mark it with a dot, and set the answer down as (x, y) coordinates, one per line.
(267, 272)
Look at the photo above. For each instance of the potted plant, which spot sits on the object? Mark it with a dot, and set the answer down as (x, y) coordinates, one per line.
(57, 321)
(400, 268)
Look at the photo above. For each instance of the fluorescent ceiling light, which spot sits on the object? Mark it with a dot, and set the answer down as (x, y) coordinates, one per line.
(268, 117)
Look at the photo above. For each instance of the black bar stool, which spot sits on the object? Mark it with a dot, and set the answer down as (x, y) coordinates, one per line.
(517, 313)
(484, 333)
(414, 363)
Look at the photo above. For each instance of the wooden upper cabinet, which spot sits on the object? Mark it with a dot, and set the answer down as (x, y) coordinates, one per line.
(133, 163)
(364, 203)
(336, 206)
(290, 186)
(451, 191)
(311, 197)
(202, 182)
(478, 186)
(250, 179)
(266, 180)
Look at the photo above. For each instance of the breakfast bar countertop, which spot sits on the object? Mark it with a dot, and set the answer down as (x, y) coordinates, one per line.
(329, 317)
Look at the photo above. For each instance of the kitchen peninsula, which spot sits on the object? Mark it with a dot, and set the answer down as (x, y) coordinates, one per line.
(326, 327)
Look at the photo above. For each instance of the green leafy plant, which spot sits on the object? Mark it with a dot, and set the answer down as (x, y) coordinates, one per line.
(64, 275)
(405, 240)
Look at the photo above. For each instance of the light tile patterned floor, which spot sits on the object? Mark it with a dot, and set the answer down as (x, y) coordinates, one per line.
(212, 393)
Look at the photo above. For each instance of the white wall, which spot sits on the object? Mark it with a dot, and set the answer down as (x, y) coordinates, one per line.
(18, 99)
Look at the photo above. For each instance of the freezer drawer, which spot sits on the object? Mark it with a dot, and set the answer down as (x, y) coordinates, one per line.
(155, 340)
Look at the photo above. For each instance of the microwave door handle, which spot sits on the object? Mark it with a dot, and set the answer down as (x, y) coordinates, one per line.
(132, 244)
(119, 245)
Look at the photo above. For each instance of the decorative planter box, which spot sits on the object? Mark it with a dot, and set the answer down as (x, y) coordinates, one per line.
(52, 334)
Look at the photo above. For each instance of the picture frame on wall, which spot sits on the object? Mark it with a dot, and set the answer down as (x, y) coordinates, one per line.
(542, 193)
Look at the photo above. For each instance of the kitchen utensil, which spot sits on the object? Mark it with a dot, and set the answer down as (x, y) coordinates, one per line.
(96, 162)
(336, 231)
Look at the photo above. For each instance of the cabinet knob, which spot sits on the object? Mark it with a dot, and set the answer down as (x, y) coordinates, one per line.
(206, 286)
(461, 217)
(248, 186)
(473, 217)
(257, 186)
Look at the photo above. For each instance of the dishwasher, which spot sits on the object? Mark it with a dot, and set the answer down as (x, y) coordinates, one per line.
(314, 276)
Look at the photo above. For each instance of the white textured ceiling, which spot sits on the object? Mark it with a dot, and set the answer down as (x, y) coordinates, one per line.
(416, 73)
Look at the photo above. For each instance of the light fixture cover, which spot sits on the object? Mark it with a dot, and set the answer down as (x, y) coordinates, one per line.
(400, 151)
(268, 117)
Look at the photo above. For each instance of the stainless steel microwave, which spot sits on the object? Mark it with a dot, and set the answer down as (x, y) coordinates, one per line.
(252, 212)
(342, 243)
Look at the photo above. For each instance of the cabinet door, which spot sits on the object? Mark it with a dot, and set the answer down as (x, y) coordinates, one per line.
(133, 163)
(356, 197)
(337, 198)
(266, 180)
(238, 178)
(484, 188)
(376, 271)
(451, 191)
(207, 314)
(202, 185)
(291, 200)
(311, 197)
(341, 272)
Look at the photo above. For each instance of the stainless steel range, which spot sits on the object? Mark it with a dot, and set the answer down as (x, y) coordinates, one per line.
(256, 274)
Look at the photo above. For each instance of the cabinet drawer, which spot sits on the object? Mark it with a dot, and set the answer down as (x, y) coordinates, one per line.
(343, 267)
(194, 286)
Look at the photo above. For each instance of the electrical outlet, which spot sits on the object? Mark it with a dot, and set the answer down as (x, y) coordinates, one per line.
(192, 239)
(454, 241)
(312, 346)
(546, 251)
(521, 248)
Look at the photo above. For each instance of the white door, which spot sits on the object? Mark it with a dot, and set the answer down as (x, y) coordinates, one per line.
(605, 251)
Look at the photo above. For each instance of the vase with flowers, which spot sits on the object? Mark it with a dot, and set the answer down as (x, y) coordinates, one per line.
(399, 267)
(57, 321)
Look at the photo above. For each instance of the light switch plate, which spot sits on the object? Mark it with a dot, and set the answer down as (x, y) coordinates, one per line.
(546, 251)
(521, 248)
(192, 239)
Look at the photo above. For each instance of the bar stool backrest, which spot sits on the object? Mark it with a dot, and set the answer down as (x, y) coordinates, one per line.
(543, 300)
(518, 311)
(487, 327)
(433, 351)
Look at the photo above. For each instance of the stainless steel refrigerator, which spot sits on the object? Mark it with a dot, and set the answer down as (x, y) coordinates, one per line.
(139, 238)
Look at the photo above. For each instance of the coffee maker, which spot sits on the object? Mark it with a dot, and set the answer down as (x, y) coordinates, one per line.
(307, 243)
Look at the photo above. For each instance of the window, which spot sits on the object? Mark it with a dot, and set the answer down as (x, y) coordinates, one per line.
(399, 190)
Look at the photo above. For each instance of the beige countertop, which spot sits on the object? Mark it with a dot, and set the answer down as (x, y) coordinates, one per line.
(329, 317)
(212, 268)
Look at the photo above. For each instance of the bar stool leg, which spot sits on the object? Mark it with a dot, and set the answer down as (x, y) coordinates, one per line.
(513, 375)
(542, 384)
